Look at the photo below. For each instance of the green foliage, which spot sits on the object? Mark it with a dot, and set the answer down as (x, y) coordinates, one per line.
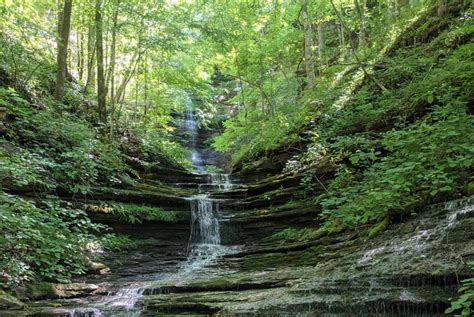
(155, 145)
(27, 169)
(134, 213)
(463, 305)
(396, 151)
(428, 159)
(250, 134)
(116, 242)
(63, 152)
(12, 105)
(41, 243)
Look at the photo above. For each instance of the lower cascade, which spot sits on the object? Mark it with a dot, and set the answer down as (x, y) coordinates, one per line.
(204, 248)
(204, 220)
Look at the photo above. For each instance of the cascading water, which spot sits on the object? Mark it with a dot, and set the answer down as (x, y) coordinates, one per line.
(203, 250)
(192, 131)
(205, 236)
(205, 225)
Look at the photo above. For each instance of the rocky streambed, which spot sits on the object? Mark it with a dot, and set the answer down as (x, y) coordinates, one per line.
(411, 269)
(219, 256)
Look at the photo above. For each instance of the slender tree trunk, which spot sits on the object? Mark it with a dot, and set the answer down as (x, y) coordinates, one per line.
(101, 93)
(80, 55)
(393, 9)
(342, 39)
(320, 42)
(64, 25)
(145, 69)
(360, 8)
(354, 52)
(91, 48)
(442, 7)
(308, 46)
(129, 73)
(111, 67)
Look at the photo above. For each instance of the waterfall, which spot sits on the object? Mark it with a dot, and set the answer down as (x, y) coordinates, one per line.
(220, 181)
(191, 127)
(205, 237)
(205, 225)
(204, 211)
(204, 246)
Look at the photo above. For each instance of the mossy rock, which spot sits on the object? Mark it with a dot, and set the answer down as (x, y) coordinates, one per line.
(46, 290)
(40, 290)
(379, 227)
(222, 284)
(470, 189)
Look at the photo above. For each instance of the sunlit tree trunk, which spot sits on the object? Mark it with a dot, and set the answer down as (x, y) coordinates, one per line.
(320, 42)
(145, 102)
(393, 9)
(64, 26)
(360, 8)
(129, 73)
(110, 81)
(101, 93)
(442, 7)
(91, 47)
(80, 55)
(354, 51)
(308, 45)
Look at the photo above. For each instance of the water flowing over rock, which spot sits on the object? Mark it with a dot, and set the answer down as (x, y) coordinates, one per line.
(224, 261)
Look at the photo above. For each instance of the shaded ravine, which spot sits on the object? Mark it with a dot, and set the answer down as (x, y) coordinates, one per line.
(411, 269)
(123, 295)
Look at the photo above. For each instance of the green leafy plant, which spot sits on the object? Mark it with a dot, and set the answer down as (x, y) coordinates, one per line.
(463, 305)
(117, 242)
(42, 243)
(135, 213)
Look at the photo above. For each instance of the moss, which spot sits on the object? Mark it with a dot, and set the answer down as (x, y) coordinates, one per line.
(44, 290)
(177, 308)
(40, 290)
(470, 189)
(379, 227)
(220, 284)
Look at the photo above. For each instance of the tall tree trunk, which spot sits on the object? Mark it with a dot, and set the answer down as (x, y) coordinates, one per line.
(80, 55)
(320, 41)
(111, 67)
(360, 8)
(393, 9)
(91, 48)
(442, 7)
(101, 93)
(354, 52)
(308, 45)
(145, 102)
(129, 73)
(64, 23)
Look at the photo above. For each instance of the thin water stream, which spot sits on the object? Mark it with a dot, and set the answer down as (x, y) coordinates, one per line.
(203, 250)
(204, 246)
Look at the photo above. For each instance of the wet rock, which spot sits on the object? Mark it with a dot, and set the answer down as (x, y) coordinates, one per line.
(97, 268)
(51, 290)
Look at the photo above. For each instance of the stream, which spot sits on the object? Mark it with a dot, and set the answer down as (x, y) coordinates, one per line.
(405, 271)
(203, 250)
